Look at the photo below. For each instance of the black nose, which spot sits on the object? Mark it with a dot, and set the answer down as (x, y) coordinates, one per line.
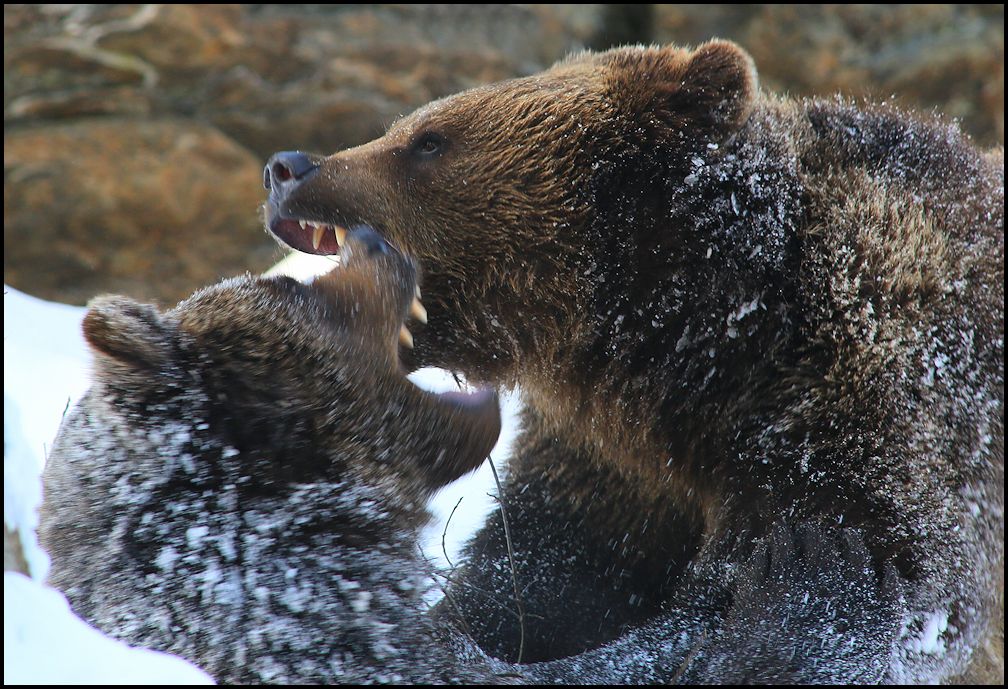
(373, 242)
(286, 170)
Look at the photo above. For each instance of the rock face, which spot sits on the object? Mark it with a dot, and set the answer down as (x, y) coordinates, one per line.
(944, 57)
(128, 129)
(149, 208)
(271, 76)
(134, 136)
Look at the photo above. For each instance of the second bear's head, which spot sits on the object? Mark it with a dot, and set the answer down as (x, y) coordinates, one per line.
(274, 383)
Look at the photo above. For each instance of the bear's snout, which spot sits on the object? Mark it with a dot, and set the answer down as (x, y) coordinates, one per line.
(285, 172)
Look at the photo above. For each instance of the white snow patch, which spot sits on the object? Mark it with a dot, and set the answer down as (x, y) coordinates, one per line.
(166, 559)
(45, 643)
(930, 639)
(473, 490)
(361, 602)
(744, 310)
(45, 373)
(195, 535)
(304, 267)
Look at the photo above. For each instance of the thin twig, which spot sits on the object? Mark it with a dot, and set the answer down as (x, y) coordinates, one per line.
(519, 602)
(444, 548)
(511, 558)
(489, 596)
(434, 574)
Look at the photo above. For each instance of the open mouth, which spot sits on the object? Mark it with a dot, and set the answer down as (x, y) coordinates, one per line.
(307, 236)
(334, 240)
(477, 409)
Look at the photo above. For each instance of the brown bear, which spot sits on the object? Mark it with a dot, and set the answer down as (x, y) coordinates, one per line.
(243, 483)
(760, 347)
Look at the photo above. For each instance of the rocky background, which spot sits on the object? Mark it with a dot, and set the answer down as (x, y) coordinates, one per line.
(135, 135)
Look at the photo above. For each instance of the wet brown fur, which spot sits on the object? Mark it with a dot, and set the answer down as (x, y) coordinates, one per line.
(573, 245)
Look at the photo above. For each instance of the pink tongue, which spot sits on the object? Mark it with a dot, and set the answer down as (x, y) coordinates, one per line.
(301, 238)
(467, 399)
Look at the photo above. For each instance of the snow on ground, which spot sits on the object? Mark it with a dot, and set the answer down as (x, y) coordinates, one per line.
(45, 370)
(45, 643)
(46, 366)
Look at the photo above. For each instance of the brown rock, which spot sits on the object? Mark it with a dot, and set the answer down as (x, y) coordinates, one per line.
(331, 77)
(944, 57)
(14, 559)
(325, 77)
(273, 77)
(151, 209)
(155, 210)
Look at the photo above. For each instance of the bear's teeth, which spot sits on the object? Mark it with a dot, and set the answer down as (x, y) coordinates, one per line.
(405, 338)
(317, 236)
(417, 290)
(340, 233)
(303, 224)
(418, 311)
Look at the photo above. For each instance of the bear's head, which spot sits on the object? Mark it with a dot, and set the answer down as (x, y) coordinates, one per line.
(289, 383)
(511, 195)
(249, 471)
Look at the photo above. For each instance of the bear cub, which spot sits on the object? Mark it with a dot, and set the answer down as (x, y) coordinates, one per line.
(244, 481)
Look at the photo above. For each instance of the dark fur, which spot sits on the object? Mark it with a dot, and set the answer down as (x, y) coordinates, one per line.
(244, 481)
(731, 316)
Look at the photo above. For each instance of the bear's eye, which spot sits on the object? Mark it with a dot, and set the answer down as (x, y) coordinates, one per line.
(428, 145)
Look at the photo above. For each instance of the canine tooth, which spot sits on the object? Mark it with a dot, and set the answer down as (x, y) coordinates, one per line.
(303, 224)
(405, 338)
(317, 236)
(418, 312)
(340, 233)
(417, 290)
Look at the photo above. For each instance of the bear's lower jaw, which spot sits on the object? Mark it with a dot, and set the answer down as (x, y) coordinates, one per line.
(326, 240)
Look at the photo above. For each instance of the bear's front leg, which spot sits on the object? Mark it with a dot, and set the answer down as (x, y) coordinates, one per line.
(586, 570)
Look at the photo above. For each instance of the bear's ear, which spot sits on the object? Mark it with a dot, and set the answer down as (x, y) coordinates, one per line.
(129, 335)
(697, 97)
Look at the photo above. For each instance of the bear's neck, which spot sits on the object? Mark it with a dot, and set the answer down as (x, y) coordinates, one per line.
(691, 309)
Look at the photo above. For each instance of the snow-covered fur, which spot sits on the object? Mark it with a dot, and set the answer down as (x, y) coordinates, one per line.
(760, 343)
(761, 346)
(243, 484)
